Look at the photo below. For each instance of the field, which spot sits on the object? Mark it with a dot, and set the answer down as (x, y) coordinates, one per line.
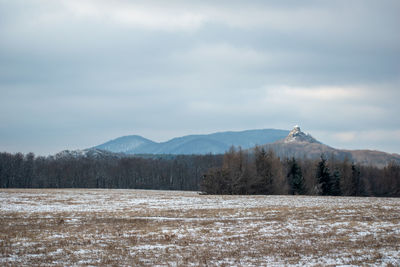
(170, 228)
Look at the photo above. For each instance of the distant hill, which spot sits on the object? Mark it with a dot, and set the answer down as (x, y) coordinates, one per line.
(216, 143)
(299, 144)
(285, 144)
(126, 144)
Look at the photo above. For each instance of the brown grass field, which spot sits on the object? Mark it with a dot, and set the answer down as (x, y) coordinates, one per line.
(53, 227)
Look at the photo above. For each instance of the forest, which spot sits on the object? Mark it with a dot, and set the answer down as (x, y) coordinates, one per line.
(262, 172)
(238, 171)
(157, 172)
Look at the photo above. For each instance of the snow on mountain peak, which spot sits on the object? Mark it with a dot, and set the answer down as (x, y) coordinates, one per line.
(296, 135)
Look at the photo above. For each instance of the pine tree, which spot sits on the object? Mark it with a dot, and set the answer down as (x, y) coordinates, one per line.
(335, 183)
(295, 178)
(323, 177)
(355, 180)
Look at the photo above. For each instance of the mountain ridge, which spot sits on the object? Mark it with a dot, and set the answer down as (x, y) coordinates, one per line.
(124, 144)
(285, 144)
(214, 143)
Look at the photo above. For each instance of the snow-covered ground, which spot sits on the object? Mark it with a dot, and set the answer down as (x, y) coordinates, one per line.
(170, 228)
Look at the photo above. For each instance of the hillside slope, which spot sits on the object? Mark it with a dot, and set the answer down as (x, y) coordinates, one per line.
(299, 144)
(215, 143)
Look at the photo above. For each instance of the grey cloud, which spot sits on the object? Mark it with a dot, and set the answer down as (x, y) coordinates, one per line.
(92, 70)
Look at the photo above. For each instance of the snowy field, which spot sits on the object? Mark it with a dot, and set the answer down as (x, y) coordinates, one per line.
(169, 228)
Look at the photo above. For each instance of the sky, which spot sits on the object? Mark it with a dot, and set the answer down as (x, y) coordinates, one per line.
(77, 73)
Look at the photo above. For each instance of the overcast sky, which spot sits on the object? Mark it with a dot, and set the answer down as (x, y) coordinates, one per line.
(76, 73)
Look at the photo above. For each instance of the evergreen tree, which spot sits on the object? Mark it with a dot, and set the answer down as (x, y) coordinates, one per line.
(295, 178)
(323, 177)
(335, 183)
(355, 180)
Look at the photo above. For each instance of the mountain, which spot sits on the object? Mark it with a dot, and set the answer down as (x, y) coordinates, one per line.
(125, 144)
(297, 136)
(285, 144)
(299, 144)
(216, 143)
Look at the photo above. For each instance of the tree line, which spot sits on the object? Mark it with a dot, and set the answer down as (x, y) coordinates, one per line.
(263, 172)
(165, 173)
(256, 171)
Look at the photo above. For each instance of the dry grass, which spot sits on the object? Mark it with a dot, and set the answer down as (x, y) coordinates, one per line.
(134, 227)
